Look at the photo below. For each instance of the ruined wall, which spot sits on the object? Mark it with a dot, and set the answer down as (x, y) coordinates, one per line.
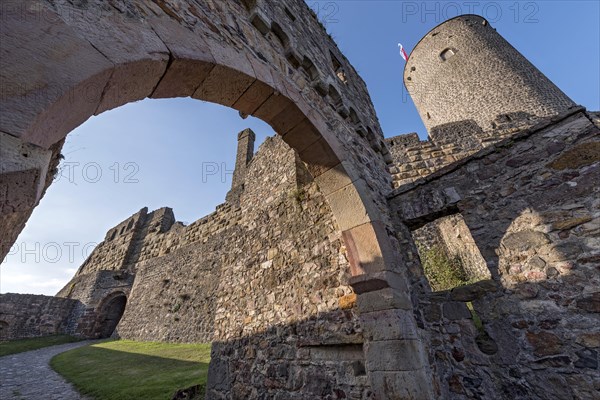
(271, 59)
(531, 204)
(286, 324)
(90, 289)
(122, 245)
(29, 315)
(266, 281)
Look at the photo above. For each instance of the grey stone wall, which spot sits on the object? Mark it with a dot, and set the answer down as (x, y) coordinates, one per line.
(266, 281)
(464, 79)
(411, 159)
(28, 315)
(531, 205)
(90, 289)
(452, 236)
(245, 151)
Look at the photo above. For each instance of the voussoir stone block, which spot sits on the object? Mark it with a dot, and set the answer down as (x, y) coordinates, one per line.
(386, 298)
(369, 248)
(223, 85)
(191, 59)
(354, 199)
(390, 324)
(302, 135)
(128, 41)
(50, 83)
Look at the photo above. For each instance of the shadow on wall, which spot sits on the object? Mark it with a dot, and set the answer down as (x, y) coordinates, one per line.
(320, 357)
(4, 334)
(532, 209)
(109, 314)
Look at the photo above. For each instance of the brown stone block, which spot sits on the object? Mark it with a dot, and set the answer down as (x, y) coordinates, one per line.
(50, 83)
(223, 86)
(348, 301)
(254, 97)
(336, 178)
(369, 249)
(302, 135)
(352, 205)
(577, 157)
(287, 119)
(544, 343)
(191, 59)
(271, 107)
(182, 78)
(129, 82)
(319, 157)
(395, 355)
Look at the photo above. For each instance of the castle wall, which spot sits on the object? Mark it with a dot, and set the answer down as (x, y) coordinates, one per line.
(275, 286)
(266, 282)
(29, 315)
(271, 59)
(531, 205)
(465, 79)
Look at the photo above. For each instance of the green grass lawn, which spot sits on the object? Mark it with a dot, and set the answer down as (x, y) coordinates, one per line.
(21, 345)
(127, 370)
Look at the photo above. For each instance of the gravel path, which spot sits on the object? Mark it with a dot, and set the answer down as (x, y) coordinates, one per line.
(28, 376)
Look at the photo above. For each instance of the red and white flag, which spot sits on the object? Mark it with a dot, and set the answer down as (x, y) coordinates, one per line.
(403, 52)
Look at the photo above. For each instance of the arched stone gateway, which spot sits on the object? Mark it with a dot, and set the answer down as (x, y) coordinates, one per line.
(4, 334)
(532, 328)
(110, 312)
(63, 62)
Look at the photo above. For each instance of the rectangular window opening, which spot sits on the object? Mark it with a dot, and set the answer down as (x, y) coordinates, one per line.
(449, 255)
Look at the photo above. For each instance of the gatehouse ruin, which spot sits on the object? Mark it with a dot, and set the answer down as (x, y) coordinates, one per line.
(308, 279)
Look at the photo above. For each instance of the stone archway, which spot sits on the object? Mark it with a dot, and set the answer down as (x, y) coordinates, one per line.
(97, 59)
(62, 63)
(109, 314)
(4, 334)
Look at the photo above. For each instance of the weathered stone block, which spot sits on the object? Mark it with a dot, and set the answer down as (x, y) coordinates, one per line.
(42, 107)
(383, 299)
(456, 310)
(392, 324)
(395, 355)
(402, 385)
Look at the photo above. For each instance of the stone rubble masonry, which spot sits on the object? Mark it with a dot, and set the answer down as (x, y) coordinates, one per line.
(452, 236)
(307, 280)
(29, 315)
(245, 151)
(466, 79)
(531, 203)
(276, 259)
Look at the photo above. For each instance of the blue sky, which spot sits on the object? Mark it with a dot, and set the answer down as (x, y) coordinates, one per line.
(180, 152)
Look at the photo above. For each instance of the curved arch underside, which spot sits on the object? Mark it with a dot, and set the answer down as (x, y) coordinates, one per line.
(62, 63)
(65, 64)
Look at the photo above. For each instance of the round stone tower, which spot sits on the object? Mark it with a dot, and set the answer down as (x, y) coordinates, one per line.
(465, 78)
